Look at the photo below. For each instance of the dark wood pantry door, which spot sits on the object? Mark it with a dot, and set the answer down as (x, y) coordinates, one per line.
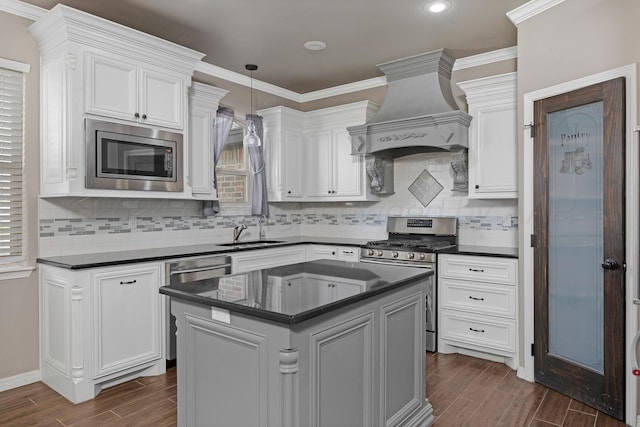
(579, 254)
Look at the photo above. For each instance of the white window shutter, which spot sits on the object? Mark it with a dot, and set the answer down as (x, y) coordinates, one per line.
(11, 163)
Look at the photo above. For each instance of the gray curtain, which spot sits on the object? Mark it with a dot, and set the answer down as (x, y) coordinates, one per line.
(259, 203)
(221, 128)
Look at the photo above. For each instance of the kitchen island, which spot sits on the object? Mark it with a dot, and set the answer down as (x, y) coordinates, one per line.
(322, 343)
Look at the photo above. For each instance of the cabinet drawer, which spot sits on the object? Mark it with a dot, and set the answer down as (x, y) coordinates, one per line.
(497, 300)
(477, 268)
(481, 331)
(349, 254)
(266, 258)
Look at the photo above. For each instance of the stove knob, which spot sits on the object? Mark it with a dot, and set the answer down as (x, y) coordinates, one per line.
(394, 254)
(370, 252)
(411, 255)
(423, 257)
(379, 253)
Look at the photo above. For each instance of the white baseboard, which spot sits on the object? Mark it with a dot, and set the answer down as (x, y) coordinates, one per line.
(19, 380)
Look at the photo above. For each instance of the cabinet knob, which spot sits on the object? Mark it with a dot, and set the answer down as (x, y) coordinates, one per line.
(136, 115)
(289, 192)
(477, 186)
(329, 191)
(144, 117)
(333, 252)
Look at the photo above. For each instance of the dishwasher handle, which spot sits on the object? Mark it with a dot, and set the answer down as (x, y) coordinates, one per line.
(185, 276)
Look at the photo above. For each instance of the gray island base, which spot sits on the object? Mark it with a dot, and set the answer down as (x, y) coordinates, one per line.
(323, 343)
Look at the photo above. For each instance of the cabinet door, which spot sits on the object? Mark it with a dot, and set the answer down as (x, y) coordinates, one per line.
(161, 99)
(347, 172)
(344, 290)
(292, 170)
(493, 152)
(318, 164)
(201, 152)
(127, 318)
(111, 87)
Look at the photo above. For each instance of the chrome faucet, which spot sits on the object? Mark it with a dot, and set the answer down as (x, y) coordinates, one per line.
(261, 234)
(237, 231)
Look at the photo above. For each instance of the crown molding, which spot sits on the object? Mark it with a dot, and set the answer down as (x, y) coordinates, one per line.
(486, 58)
(343, 89)
(531, 9)
(241, 79)
(22, 9)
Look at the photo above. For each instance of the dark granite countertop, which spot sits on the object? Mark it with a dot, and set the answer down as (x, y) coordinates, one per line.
(105, 259)
(294, 293)
(503, 252)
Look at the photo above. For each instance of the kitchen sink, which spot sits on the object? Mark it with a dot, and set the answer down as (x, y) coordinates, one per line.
(250, 243)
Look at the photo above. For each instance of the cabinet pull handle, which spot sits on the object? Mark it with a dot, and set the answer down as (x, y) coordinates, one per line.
(130, 282)
(477, 330)
(477, 270)
(476, 298)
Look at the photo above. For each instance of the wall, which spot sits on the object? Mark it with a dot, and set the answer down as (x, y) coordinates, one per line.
(19, 298)
(572, 40)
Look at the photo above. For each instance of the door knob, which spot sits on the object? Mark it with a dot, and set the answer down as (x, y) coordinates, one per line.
(610, 264)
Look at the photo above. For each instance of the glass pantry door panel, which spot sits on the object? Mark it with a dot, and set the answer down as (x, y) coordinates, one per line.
(576, 293)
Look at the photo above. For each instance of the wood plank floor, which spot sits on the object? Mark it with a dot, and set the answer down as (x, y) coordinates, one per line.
(464, 392)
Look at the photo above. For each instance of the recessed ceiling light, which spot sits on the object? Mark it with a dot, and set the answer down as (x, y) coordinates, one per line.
(437, 6)
(315, 45)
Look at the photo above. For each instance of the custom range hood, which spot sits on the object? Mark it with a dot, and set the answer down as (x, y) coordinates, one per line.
(419, 114)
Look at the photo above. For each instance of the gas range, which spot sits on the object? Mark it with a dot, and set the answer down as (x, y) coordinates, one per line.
(412, 241)
(415, 241)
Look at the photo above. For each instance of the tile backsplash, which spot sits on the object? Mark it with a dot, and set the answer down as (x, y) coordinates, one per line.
(77, 225)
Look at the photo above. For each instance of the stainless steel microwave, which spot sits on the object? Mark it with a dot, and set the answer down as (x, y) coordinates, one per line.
(121, 157)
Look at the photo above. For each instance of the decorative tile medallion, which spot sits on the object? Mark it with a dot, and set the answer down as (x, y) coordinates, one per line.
(425, 188)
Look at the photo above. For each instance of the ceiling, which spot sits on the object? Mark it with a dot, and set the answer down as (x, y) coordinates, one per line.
(270, 33)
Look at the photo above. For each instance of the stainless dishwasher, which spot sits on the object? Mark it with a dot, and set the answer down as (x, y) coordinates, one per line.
(186, 270)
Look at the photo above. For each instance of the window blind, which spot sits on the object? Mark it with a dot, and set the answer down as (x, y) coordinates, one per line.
(11, 163)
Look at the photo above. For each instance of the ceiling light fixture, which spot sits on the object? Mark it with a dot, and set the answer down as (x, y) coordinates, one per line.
(251, 138)
(315, 45)
(437, 6)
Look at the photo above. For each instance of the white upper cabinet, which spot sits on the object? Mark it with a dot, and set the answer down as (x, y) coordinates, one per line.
(283, 151)
(122, 90)
(203, 105)
(309, 154)
(493, 137)
(94, 68)
(331, 172)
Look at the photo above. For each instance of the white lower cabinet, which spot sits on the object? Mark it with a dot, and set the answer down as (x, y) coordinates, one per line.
(477, 307)
(127, 322)
(266, 258)
(342, 253)
(100, 326)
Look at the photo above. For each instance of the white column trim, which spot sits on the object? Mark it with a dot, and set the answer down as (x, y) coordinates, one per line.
(632, 212)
